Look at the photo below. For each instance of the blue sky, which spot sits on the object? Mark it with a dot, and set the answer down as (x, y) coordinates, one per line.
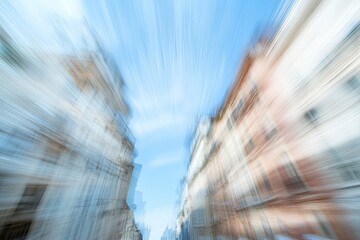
(177, 58)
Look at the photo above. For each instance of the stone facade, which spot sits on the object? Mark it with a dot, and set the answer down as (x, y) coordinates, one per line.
(66, 156)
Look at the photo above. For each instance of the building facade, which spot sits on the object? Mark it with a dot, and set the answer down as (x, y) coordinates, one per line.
(168, 234)
(281, 156)
(66, 157)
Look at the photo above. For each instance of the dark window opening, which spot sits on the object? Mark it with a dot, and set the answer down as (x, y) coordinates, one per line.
(266, 182)
(9, 54)
(15, 230)
(249, 146)
(292, 181)
(354, 83)
(270, 134)
(312, 115)
(236, 112)
(31, 198)
(350, 172)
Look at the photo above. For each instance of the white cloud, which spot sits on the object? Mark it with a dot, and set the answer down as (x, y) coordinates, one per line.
(67, 9)
(147, 125)
(33, 23)
(166, 159)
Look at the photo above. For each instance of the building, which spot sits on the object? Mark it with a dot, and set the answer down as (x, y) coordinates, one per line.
(194, 214)
(168, 234)
(66, 157)
(284, 146)
(131, 201)
(145, 230)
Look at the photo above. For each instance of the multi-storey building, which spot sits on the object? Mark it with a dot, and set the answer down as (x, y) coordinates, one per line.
(192, 216)
(286, 140)
(168, 234)
(66, 157)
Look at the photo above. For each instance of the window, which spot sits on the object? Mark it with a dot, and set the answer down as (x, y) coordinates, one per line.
(198, 217)
(214, 148)
(263, 180)
(15, 143)
(31, 198)
(15, 230)
(267, 229)
(53, 151)
(311, 115)
(354, 83)
(324, 224)
(254, 194)
(266, 181)
(269, 129)
(350, 172)
(236, 112)
(242, 201)
(354, 31)
(249, 146)
(270, 134)
(9, 54)
(291, 179)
